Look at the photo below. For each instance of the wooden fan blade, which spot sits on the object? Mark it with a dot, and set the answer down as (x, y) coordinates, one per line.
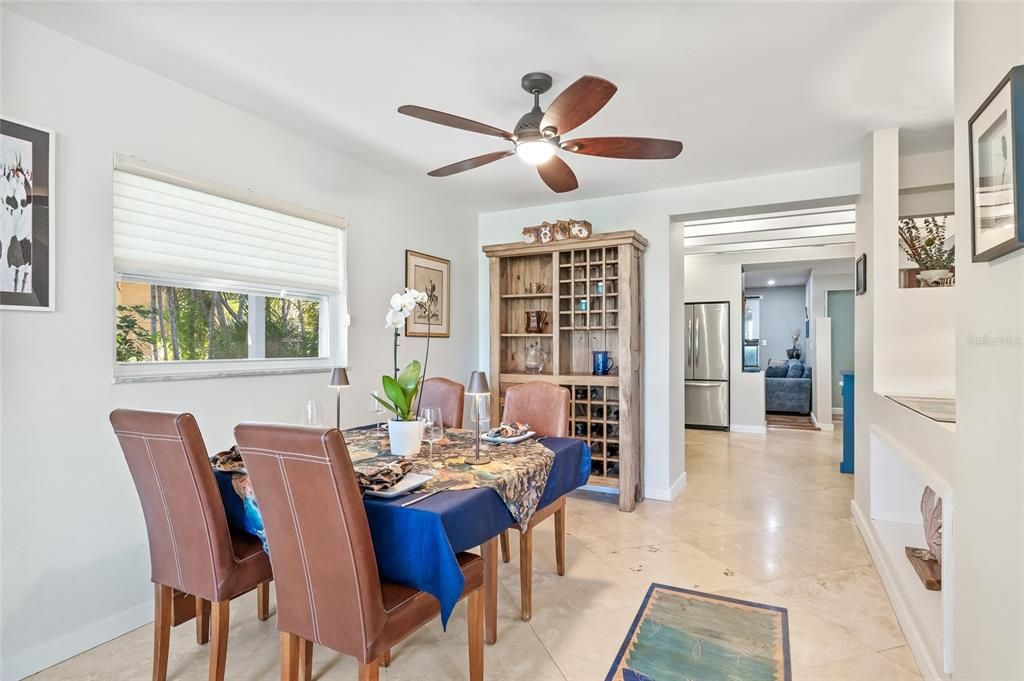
(578, 103)
(624, 147)
(470, 163)
(452, 121)
(557, 174)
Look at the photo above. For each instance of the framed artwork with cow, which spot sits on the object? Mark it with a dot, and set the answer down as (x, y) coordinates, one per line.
(26, 217)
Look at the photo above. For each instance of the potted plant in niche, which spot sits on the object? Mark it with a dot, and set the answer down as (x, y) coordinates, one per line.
(927, 248)
(405, 430)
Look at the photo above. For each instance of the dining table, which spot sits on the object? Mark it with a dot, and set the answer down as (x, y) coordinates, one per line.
(463, 506)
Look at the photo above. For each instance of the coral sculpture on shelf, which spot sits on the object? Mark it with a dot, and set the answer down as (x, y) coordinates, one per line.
(931, 512)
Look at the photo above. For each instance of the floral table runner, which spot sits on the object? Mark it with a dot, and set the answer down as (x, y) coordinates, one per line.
(517, 472)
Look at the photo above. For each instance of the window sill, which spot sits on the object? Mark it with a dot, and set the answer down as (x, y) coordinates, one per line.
(191, 371)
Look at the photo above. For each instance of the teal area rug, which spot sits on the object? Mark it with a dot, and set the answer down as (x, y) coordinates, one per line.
(683, 635)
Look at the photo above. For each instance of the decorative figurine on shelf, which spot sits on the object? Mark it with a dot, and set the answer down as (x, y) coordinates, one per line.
(580, 229)
(927, 562)
(536, 320)
(560, 230)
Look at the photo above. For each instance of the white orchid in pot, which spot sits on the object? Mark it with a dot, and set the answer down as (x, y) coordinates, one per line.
(405, 430)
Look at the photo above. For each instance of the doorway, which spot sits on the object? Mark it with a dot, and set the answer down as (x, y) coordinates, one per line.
(839, 308)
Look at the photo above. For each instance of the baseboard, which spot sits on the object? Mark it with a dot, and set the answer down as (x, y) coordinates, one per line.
(738, 428)
(837, 411)
(824, 427)
(50, 653)
(925, 663)
(666, 493)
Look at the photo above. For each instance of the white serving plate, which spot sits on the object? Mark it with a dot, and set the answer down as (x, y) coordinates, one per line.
(407, 484)
(507, 440)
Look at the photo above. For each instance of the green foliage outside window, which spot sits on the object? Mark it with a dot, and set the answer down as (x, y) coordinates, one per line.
(194, 324)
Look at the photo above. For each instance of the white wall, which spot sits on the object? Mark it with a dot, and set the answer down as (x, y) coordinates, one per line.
(718, 276)
(877, 207)
(75, 564)
(915, 345)
(988, 468)
(782, 311)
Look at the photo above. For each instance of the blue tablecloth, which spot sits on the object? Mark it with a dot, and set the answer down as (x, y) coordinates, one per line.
(416, 546)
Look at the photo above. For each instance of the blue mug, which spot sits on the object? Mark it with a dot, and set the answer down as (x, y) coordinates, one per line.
(602, 362)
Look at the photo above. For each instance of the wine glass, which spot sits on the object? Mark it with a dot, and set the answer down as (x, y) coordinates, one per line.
(313, 413)
(376, 408)
(433, 430)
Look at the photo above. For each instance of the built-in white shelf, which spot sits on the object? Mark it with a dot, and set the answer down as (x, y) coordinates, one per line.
(902, 453)
(924, 605)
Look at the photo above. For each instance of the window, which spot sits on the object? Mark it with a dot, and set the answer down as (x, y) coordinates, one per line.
(208, 283)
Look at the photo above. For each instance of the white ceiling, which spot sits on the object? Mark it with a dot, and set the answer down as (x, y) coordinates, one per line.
(793, 273)
(783, 277)
(750, 88)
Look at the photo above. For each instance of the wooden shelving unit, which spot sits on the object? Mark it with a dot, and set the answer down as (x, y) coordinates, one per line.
(592, 298)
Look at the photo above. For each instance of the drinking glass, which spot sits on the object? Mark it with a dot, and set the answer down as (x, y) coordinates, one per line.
(376, 408)
(433, 430)
(313, 413)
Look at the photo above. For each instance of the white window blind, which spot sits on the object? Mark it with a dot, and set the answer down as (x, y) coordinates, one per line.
(169, 231)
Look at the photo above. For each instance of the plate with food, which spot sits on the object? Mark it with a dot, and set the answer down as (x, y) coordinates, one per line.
(508, 433)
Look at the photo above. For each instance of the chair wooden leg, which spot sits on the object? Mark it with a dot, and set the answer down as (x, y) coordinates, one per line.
(305, 660)
(289, 656)
(476, 635)
(369, 671)
(202, 621)
(526, 572)
(560, 538)
(489, 552)
(505, 556)
(164, 598)
(263, 601)
(386, 658)
(219, 638)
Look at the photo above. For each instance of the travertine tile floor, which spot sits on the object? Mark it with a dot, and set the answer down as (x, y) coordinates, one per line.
(763, 517)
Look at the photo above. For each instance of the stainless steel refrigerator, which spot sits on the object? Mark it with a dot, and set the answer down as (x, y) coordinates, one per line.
(707, 365)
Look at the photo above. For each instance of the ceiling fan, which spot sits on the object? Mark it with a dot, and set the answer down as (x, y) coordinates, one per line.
(538, 134)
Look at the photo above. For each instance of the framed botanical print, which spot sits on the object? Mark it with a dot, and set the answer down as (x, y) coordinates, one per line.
(432, 275)
(26, 217)
(997, 161)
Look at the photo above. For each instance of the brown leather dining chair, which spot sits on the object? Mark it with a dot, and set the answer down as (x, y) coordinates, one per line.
(329, 590)
(545, 407)
(198, 563)
(446, 395)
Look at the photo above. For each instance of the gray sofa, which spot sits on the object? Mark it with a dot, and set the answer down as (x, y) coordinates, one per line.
(787, 387)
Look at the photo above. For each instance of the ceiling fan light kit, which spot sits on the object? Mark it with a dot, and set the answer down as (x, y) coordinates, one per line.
(537, 135)
(535, 152)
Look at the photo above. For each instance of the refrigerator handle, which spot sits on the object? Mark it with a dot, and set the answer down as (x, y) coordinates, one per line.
(689, 341)
(696, 340)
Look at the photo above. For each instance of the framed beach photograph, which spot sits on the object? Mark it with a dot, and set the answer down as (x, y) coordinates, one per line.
(432, 275)
(26, 217)
(996, 155)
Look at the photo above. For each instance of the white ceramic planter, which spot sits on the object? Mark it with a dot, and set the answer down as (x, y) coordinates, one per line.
(931, 278)
(406, 437)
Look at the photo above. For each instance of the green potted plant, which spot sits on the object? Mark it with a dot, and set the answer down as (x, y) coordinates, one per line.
(405, 430)
(926, 246)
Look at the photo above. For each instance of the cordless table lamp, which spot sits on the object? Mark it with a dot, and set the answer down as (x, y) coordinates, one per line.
(339, 380)
(480, 392)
